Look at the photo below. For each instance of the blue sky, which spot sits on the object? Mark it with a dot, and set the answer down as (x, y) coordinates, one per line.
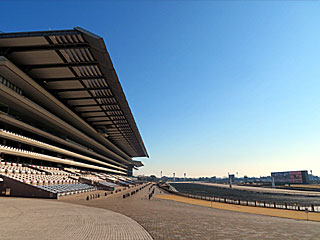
(215, 87)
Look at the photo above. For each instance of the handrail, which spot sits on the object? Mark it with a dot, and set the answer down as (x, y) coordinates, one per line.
(297, 207)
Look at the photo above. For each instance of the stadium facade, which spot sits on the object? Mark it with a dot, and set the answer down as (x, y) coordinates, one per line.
(62, 105)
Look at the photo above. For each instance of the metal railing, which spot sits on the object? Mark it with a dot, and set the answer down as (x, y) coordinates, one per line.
(287, 206)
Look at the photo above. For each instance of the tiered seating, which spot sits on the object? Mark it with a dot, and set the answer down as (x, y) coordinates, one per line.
(111, 178)
(67, 189)
(52, 170)
(36, 179)
(100, 175)
(43, 157)
(72, 170)
(124, 179)
(60, 181)
(32, 176)
(8, 167)
(33, 142)
(108, 180)
(114, 179)
(92, 178)
(109, 184)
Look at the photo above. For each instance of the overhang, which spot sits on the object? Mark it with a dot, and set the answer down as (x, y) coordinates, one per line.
(137, 163)
(75, 67)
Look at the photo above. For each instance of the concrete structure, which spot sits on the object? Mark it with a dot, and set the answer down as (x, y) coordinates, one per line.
(62, 105)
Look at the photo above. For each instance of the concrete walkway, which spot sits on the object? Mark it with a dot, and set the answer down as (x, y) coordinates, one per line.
(26, 218)
(166, 220)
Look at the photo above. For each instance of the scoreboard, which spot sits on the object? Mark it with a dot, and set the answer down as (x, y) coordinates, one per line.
(291, 177)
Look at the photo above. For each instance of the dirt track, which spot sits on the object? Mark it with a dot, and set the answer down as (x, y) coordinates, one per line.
(206, 190)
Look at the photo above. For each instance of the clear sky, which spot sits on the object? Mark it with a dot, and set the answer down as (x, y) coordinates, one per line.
(215, 86)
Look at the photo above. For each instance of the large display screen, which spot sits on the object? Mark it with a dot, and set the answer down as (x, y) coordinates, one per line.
(290, 177)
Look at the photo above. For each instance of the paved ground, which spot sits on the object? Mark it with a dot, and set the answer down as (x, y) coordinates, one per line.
(26, 218)
(166, 219)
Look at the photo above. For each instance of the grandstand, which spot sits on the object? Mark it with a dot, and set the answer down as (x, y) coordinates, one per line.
(65, 124)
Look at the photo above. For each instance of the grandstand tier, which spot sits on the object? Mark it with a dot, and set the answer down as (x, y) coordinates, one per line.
(23, 180)
(65, 124)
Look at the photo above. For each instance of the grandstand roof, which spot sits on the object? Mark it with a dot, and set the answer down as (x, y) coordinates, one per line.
(75, 67)
(137, 163)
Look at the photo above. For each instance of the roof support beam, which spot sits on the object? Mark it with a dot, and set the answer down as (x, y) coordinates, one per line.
(58, 65)
(103, 117)
(99, 77)
(123, 119)
(94, 105)
(93, 111)
(79, 89)
(101, 121)
(10, 50)
(87, 98)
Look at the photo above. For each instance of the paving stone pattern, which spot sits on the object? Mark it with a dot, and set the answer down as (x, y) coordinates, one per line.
(36, 219)
(165, 219)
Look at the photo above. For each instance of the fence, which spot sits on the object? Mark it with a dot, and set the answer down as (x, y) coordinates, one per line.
(296, 207)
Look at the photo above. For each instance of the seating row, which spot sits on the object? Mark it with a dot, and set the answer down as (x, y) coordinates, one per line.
(41, 179)
(109, 184)
(8, 167)
(52, 170)
(33, 142)
(67, 189)
(60, 181)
